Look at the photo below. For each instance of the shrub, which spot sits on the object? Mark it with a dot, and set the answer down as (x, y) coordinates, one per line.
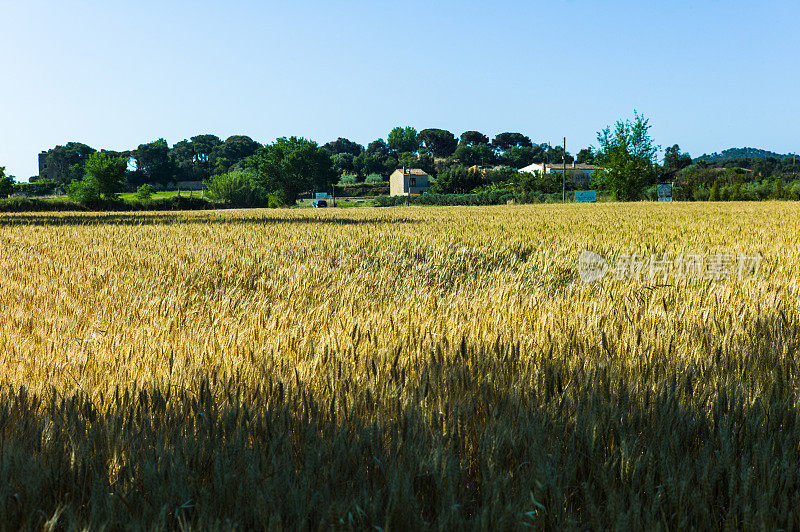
(756, 191)
(701, 193)
(85, 191)
(102, 178)
(145, 192)
(347, 179)
(237, 188)
(362, 189)
(38, 205)
(736, 192)
(7, 184)
(374, 178)
(778, 192)
(43, 187)
(714, 194)
(490, 197)
(457, 179)
(794, 190)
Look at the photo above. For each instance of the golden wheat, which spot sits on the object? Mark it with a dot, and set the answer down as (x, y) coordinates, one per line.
(407, 367)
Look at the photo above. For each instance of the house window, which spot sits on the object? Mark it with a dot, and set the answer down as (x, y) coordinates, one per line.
(412, 181)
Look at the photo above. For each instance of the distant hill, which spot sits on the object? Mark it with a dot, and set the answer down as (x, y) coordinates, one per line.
(741, 153)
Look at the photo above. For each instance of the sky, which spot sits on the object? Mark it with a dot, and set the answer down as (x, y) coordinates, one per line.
(708, 74)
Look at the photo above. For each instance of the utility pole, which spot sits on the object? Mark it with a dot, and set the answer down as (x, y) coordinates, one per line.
(564, 172)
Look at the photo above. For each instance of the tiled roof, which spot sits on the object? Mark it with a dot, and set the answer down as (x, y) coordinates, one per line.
(560, 166)
(412, 171)
(581, 166)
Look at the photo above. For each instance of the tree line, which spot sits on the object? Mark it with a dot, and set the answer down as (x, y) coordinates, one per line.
(436, 149)
(243, 171)
(193, 159)
(202, 156)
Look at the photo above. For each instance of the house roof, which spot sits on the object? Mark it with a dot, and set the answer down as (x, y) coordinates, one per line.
(577, 166)
(722, 169)
(412, 171)
(560, 166)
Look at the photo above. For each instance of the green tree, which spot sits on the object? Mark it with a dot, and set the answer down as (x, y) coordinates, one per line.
(765, 167)
(627, 156)
(344, 163)
(585, 156)
(103, 178)
(366, 164)
(64, 164)
(524, 182)
(293, 165)
(427, 163)
(403, 140)
(154, 163)
(456, 180)
(437, 142)
(472, 138)
(518, 156)
(376, 159)
(779, 192)
(233, 151)
(204, 147)
(343, 145)
(714, 195)
(7, 185)
(675, 160)
(182, 155)
(736, 194)
(470, 155)
(196, 158)
(555, 155)
(501, 174)
(408, 160)
(411, 160)
(506, 178)
(504, 141)
(378, 148)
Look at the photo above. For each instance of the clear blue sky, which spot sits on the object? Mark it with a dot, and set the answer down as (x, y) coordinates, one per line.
(709, 74)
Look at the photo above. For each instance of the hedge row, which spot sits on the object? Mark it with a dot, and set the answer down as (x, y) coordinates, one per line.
(494, 197)
(175, 203)
(360, 190)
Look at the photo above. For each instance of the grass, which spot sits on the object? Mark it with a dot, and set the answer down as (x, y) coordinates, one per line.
(437, 368)
(340, 202)
(131, 196)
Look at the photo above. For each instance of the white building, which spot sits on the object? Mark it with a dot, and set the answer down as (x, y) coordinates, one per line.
(580, 173)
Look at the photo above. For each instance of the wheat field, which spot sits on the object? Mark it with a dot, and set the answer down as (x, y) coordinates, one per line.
(427, 368)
